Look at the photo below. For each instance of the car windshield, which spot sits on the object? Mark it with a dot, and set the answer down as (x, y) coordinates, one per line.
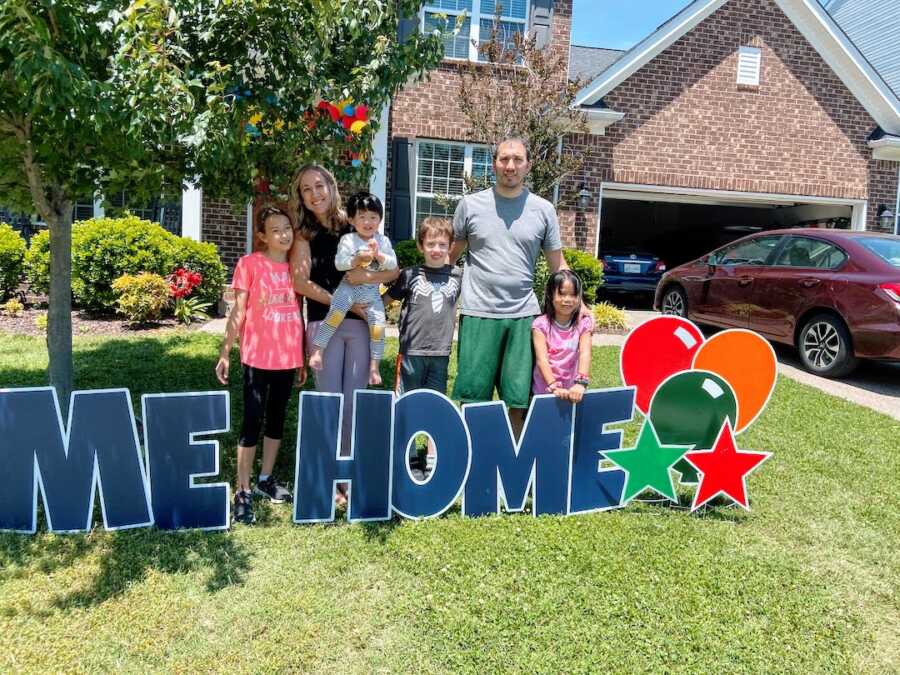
(889, 249)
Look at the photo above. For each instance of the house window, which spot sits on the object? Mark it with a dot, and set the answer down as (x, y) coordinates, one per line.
(476, 27)
(441, 168)
(84, 210)
(167, 214)
(749, 60)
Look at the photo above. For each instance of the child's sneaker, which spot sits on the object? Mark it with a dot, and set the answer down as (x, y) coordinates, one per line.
(243, 508)
(271, 490)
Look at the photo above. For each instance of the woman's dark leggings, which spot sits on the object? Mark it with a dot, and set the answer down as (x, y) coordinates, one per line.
(269, 391)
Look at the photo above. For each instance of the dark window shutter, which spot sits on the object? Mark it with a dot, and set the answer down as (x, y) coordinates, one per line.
(541, 14)
(407, 28)
(401, 199)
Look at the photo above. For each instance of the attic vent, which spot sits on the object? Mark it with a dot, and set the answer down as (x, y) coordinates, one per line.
(749, 59)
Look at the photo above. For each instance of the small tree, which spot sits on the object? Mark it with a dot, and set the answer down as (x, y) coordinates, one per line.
(524, 90)
(110, 95)
(67, 130)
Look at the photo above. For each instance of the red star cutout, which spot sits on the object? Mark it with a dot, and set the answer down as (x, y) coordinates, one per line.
(724, 469)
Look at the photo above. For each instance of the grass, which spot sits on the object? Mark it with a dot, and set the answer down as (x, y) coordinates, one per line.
(809, 581)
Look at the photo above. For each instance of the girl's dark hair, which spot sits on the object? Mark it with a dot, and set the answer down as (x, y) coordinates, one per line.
(264, 215)
(364, 201)
(554, 283)
(259, 227)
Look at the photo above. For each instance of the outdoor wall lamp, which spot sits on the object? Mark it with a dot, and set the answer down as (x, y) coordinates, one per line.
(886, 217)
(584, 196)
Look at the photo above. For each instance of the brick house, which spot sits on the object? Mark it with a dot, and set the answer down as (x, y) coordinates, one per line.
(734, 115)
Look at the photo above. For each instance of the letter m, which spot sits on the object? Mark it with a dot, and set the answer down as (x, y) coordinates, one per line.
(504, 469)
(98, 449)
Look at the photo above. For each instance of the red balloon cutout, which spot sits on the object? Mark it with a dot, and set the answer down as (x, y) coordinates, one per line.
(655, 350)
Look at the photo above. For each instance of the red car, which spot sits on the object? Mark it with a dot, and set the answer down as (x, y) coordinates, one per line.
(834, 294)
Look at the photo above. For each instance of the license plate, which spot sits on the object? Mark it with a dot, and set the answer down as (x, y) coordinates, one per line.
(632, 268)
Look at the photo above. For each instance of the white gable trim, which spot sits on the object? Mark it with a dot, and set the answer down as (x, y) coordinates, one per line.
(599, 120)
(811, 20)
(887, 148)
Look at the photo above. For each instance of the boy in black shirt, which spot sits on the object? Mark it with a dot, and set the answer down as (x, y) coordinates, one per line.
(428, 314)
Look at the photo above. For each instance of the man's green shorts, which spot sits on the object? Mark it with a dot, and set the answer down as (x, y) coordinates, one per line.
(494, 353)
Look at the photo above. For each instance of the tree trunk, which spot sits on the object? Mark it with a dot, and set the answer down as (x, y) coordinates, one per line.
(59, 318)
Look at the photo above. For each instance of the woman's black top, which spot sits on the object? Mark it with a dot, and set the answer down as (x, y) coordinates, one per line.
(322, 271)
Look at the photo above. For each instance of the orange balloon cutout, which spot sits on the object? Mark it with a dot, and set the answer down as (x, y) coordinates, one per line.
(747, 362)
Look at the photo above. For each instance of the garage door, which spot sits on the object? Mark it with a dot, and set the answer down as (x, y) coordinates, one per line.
(679, 225)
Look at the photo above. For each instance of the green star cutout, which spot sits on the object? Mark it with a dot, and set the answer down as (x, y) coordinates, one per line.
(647, 464)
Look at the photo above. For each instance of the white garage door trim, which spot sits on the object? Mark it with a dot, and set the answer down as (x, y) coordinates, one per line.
(635, 191)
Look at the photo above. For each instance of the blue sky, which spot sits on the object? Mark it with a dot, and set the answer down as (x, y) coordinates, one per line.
(619, 24)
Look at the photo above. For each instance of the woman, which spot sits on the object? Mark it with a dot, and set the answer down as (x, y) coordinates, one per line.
(320, 223)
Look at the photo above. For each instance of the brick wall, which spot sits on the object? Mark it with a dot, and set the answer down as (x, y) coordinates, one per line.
(882, 190)
(688, 124)
(429, 109)
(227, 230)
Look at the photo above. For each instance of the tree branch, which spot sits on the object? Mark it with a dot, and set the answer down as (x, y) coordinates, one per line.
(33, 173)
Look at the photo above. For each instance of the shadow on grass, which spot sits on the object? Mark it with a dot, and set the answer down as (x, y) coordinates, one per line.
(125, 558)
(379, 531)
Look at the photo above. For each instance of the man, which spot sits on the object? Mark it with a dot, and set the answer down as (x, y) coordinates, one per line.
(505, 229)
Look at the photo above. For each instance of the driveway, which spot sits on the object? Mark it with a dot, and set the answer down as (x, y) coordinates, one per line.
(875, 385)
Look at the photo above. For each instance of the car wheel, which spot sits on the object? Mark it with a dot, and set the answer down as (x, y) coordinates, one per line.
(825, 346)
(674, 302)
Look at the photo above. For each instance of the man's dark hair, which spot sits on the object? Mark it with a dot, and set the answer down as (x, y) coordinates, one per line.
(517, 139)
(364, 201)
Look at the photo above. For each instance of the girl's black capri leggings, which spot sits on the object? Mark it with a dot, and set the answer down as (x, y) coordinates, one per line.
(269, 391)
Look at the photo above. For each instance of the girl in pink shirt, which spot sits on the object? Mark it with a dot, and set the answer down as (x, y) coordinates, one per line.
(562, 340)
(266, 315)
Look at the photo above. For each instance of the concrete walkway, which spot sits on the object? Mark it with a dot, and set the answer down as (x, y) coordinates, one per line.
(873, 385)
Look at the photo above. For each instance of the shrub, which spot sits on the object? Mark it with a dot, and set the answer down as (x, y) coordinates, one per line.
(104, 249)
(40, 322)
(141, 297)
(609, 317)
(13, 307)
(37, 262)
(12, 259)
(586, 266)
(201, 257)
(408, 254)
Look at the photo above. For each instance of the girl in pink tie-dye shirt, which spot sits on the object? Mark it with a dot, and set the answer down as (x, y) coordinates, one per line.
(562, 340)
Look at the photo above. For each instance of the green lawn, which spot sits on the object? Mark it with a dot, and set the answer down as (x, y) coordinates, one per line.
(809, 581)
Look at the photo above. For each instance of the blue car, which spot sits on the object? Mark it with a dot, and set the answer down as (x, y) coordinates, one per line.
(631, 272)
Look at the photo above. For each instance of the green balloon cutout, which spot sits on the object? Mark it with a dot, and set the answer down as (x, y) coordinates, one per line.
(689, 409)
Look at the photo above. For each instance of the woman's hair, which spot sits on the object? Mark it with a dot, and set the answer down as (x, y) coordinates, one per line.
(259, 226)
(554, 283)
(307, 223)
(434, 225)
(364, 201)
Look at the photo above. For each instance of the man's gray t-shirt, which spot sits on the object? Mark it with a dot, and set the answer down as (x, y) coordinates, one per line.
(505, 238)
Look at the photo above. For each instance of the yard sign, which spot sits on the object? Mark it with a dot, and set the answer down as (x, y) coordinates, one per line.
(694, 396)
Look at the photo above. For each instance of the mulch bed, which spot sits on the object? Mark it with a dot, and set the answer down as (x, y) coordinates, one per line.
(83, 323)
(86, 324)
